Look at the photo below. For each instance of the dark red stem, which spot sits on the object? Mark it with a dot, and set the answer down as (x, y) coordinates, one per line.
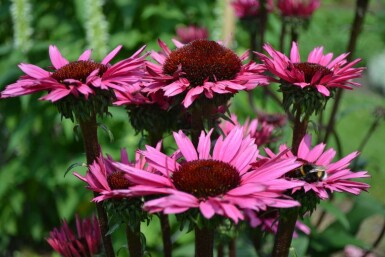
(204, 242)
(89, 129)
(288, 217)
(133, 240)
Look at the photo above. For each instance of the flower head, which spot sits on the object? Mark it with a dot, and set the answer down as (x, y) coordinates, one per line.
(268, 221)
(307, 86)
(201, 69)
(190, 33)
(298, 8)
(249, 8)
(261, 132)
(82, 80)
(104, 178)
(219, 183)
(320, 71)
(320, 174)
(85, 243)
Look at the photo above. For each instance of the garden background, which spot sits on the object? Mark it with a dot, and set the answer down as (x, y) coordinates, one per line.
(37, 147)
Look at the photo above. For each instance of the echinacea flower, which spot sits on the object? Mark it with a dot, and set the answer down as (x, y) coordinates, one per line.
(249, 8)
(106, 179)
(298, 8)
(322, 176)
(268, 221)
(319, 72)
(261, 132)
(190, 33)
(85, 243)
(219, 183)
(79, 87)
(76, 78)
(201, 69)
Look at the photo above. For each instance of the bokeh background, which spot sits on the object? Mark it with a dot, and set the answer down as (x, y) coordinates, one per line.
(37, 147)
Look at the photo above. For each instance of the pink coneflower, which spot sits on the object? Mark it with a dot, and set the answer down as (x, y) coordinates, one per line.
(219, 183)
(261, 132)
(268, 221)
(298, 8)
(249, 8)
(201, 69)
(106, 179)
(86, 243)
(190, 33)
(277, 120)
(320, 174)
(78, 78)
(319, 72)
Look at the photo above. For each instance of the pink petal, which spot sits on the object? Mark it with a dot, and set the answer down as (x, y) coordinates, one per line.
(85, 56)
(57, 59)
(111, 55)
(34, 71)
(185, 146)
(294, 53)
(206, 209)
(204, 145)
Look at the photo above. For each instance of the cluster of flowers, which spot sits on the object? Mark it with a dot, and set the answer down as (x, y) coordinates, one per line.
(288, 8)
(216, 174)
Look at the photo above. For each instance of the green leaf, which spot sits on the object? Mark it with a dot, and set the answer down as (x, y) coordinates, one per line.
(336, 212)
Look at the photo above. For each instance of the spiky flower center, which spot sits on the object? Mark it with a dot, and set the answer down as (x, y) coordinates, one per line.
(203, 60)
(78, 70)
(205, 178)
(116, 180)
(310, 69)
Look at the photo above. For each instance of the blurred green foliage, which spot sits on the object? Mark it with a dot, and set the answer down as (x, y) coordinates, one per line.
(37, 146)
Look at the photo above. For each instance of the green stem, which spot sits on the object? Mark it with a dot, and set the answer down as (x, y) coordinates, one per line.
(133, 240)
(204, 242)
(89, 130)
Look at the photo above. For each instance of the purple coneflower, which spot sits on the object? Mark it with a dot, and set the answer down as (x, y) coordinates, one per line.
(86, 243)
(220, 183)
(77, 78)
(319, 72)
(320, 174)
(298, 8)
(201, 69)
(190, 33)
(249, 8)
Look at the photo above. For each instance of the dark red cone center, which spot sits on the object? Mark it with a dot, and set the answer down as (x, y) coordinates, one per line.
(116, 180)
(204, 178)
(78, 70)
(310, 69)
(203, 59)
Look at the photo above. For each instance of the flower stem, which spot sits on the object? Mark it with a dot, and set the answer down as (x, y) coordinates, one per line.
(288, 217)
(133, 240)
(204, 242)
(282, 35)
(233, 247)
(89, 130)
(196, 124)
(166, 235)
